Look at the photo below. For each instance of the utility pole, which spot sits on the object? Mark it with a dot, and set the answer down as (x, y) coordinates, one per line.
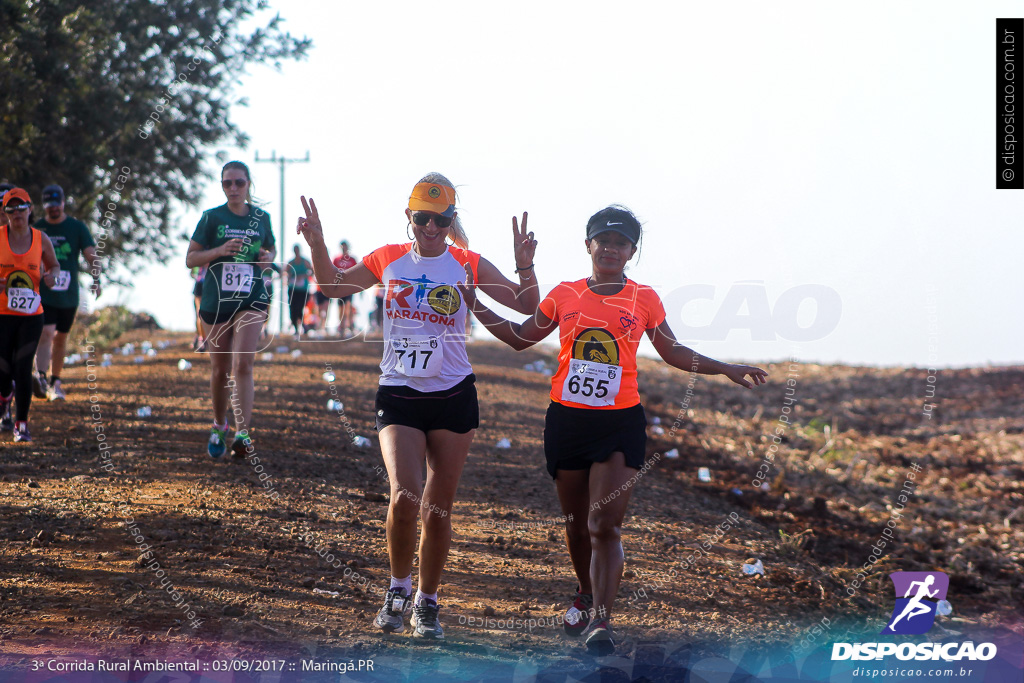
(281, 161)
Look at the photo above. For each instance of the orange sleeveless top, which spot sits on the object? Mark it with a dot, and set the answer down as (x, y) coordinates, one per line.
(21, 273)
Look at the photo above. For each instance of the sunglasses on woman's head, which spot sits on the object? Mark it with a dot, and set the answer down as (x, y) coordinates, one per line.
(421, 219)
(238, 182)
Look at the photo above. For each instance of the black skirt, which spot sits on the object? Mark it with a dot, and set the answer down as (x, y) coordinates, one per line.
(576, 438)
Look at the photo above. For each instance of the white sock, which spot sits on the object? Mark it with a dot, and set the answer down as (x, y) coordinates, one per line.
(405, 583)
(421, 596)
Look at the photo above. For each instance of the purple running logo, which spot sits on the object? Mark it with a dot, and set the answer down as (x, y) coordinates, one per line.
(917, 594)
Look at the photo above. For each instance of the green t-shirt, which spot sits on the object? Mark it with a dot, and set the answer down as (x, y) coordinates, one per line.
(298, 274)
(234, 281)
(69, 238)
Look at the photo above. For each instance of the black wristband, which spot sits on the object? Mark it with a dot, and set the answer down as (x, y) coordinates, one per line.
(526, 268)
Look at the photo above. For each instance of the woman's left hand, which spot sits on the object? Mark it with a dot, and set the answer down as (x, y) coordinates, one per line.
(263, 256)
(737, 373)
(523, 242)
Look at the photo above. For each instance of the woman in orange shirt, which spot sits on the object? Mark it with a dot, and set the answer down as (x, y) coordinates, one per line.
(24, 255)
(595, 429)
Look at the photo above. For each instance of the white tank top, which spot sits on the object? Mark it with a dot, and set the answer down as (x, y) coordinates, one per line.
(424, 316)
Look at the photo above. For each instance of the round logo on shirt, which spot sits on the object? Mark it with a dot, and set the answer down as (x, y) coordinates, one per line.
(19, 278)
(444, 299)
(596, 345)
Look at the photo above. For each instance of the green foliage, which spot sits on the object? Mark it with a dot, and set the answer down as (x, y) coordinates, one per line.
(103, 327)
(91, 87)
(818, 424)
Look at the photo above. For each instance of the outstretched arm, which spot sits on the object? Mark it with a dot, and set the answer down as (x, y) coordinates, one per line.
(331, 280)
(518, 336)
(685, 358)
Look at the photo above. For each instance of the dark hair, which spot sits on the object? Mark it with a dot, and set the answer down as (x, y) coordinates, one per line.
(620, 214)
(248, 176)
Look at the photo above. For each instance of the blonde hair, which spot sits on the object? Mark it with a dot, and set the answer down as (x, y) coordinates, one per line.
(456, 230)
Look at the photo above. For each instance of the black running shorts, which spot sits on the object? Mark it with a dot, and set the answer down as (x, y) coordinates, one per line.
(454, 409)
(63, 318)
(576, 438)
(226, 313)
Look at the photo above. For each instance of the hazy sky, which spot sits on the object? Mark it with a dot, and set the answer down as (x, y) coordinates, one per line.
(846, 151)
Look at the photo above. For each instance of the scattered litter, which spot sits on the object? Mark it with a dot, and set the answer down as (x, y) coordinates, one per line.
(128, 349)
(503, 443)
(361, 442)
(328, 376)
(736, 491)
(538, 366)
(672, 454)
(753, 567)
(108, 356)
(321, 591)
(335, 405)
(151, 353)
(267, 356)
(140, 359)
(184, 365)
(765, 486)
(146, 345)
(943, 608)
(163, 344)
(106, 363)
(296, 353)
(657, 431)
(655, 420)
(282, 349)
(144, 411)
(704, 474)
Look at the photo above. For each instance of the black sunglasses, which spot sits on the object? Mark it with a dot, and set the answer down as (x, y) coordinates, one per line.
(421, 219)
(238, 182)
(15, 209)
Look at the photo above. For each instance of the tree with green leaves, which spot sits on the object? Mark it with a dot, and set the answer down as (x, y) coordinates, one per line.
(119, 103)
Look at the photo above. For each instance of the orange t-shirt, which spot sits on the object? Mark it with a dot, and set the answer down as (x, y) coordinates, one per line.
(21, 273)
(599, 337)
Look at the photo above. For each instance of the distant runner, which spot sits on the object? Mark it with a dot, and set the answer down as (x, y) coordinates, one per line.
(299, 270)
(595, 429)
(426, 403)
(69, 237)
(346, 324)
(27, 258)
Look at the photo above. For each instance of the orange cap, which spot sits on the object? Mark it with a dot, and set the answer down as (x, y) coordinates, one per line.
(17, 193)
(433, 197)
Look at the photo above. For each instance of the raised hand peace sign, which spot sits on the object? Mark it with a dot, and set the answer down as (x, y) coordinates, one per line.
(309, 227)
(523, 243)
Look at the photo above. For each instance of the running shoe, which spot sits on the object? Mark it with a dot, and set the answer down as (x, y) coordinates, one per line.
(39, 385)
(218, 441)
(55, 392)
(396, 604)
(21, 432)
(6, 422)
(577, 617)
(242, 445)
(599, 639)
(424, 621)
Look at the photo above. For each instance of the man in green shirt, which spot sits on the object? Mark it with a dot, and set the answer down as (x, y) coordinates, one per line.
(70, 237)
